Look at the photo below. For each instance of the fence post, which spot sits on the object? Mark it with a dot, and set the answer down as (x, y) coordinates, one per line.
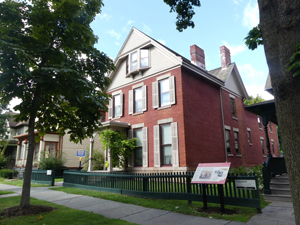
(189, 188)
(145, 184)
(267, 178)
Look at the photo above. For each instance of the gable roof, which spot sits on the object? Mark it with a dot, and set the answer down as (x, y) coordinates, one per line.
(171, 53)
(231, 72)
(13, 123)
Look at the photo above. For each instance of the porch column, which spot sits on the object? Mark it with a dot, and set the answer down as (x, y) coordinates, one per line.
(90, 168)
(41, 147)
(18, 151)
(109, 168)
(24, 152)
(265, 122)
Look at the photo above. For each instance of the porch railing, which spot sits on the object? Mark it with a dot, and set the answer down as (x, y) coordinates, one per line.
(274, 166)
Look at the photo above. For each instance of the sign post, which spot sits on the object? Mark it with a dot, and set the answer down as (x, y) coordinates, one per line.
(80, 154)
(211, 173)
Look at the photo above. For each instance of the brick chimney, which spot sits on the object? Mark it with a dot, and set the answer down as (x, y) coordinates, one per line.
(197, 56)
(225, 56)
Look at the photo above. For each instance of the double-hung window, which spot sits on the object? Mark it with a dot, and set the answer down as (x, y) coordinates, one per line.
(232, 103)
(115, 107)
(163, 91)
(236, 142)
(227, 140)
(249, 136)
(138, 152)
(137, 99)
(166, 151)
(137, 60)
(259, 122)
(166, 144)
(262, 142)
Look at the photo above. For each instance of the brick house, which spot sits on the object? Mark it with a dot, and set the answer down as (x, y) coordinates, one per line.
(181, 113)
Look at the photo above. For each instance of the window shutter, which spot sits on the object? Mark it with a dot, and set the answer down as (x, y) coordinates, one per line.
(145, 147)
(155, 94)
(156, 146)
(130, 158)
(144, 98)
(110, 108)
(121, 104)
(130, 103)
(175, 159)
(172, 90)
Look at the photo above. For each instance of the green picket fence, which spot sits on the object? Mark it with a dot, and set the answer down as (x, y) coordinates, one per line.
(175, 185)
(41, 177)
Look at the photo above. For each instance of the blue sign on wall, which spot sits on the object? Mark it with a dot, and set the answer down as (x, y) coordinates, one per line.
(80, 153)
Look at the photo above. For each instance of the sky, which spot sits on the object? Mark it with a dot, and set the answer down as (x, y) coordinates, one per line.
(217, 23)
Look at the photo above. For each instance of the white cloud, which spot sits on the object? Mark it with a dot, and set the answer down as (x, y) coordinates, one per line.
(147, 29)
(104, 16)
(237, 2)
(247, 71)
(255, 89)
(125, 28)
(114, 34)
(251, 15)
(117, 43)
(162, 41)
(13, 103)
(235, 49)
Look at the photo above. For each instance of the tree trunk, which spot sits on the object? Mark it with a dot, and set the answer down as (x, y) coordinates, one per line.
(25, 198)
(280, 27)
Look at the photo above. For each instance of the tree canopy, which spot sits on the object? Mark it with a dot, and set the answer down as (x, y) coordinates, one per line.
(253, 100)
(48, 59)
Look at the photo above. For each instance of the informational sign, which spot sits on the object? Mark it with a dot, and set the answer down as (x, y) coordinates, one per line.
(80, 153)
(245, 184)
(211, 173)
(49, 172)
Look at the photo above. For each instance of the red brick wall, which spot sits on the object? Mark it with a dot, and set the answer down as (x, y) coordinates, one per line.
(251, 154)
(202, 121)
(151, 116)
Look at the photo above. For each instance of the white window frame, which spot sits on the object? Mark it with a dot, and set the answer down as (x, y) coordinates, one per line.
(129, 69)
(131, 100)
(144, 146)
(111, 109)
(157, 144)
(156, 92)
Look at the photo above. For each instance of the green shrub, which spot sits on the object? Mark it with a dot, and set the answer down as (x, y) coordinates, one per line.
(51, 163)
(3, 159)
(255, 169)
(6, 173)
(98, 160)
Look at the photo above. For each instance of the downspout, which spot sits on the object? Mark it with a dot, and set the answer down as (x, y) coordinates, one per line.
(223, 124)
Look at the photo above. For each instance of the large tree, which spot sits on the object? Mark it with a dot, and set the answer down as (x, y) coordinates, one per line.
(48, 59)
(279, 32)
(280, 29)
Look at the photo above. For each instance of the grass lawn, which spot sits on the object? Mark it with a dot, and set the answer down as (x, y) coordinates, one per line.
(19, 183)
(61, 216)
(180, 206)
(6, 192)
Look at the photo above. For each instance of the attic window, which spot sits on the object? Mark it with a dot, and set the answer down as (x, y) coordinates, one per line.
(137, 60)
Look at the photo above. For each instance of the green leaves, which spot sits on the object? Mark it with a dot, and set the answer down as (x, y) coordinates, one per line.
(254, 38)
(253, 100)
(185, 12)
(120, 146)
(294, 63)
(47, 53)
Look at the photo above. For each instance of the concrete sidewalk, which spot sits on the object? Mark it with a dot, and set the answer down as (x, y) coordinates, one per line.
(277, 213)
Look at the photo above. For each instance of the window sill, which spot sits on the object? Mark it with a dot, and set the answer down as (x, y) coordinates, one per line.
(169, 165)
(250, 144)
(164, 107)
(265, 156)
(138, 71)
(138, 113)
(260, 128)
(240, 156)
(230, 154)
(234, 118)
(271, 132)
(116, 118)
